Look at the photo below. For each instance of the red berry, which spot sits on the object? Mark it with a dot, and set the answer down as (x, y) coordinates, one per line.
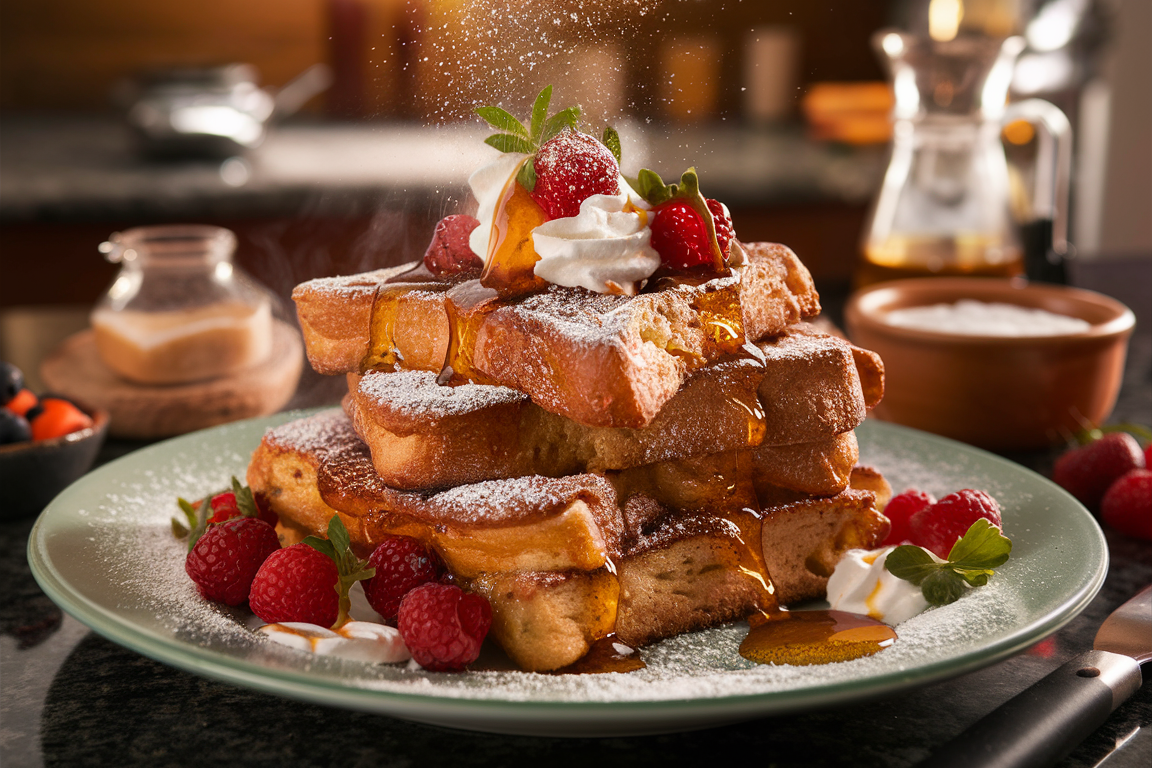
(449, 252)
(443, 627)
(1127, 505)
(680, 237)
(1148, 456)
(227, 557)
(900, 511)
(570, 168)
(936, 528)
(1086, 472)
(297, 583)
(402, 563)
(223, 507)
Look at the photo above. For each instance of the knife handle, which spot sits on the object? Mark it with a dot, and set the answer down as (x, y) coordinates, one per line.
(1047, 721)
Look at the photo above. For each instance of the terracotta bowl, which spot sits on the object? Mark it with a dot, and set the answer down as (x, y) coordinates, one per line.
(1000, 393)
(31, 474)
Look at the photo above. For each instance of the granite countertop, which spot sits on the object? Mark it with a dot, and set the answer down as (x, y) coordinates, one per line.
(76, 167)
(72, 698)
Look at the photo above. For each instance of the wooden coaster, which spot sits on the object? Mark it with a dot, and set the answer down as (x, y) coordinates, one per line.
(144, 412)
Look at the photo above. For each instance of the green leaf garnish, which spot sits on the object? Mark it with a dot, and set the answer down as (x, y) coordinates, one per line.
(540, 114)
(245, 500)
(502, 120)
(350, 568)
(506, 142)
(565, 118)
(611, 139)
(972, 560)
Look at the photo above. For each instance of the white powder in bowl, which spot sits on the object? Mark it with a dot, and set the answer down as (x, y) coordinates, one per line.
(978, 318)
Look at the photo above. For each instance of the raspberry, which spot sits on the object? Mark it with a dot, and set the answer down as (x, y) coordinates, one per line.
(1088, 471)
(402, 563)
(443, 627)
(227, 557)
(296, 584)
(1127, 504)
(1148, 456)
(936, 528)
(570, 168)
(680, 237)
(900, 511)
(449, 252)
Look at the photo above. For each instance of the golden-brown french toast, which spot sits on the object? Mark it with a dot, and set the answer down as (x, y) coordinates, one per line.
(561, 563)
(599, 359)
(802, 387)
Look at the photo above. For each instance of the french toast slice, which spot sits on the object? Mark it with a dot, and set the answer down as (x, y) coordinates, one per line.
(601, 360)
(803, 387)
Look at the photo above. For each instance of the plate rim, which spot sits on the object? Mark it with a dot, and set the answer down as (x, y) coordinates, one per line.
(300, 685)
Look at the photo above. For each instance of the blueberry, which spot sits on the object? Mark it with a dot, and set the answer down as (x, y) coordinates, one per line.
(11, 382)
(14, 428)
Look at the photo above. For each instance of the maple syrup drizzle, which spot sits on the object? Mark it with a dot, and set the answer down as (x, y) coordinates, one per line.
(511, 257)
(383, 354)
(467, 305)
(605, 655)
(805, 638)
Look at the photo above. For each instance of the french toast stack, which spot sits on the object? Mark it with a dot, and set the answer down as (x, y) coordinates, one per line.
(591, 463)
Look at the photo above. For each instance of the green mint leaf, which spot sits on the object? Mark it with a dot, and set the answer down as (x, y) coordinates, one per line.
(245, 500)
(201, 522)
(526, 177)
(611, 139)
(338, 534)
(540, 114)
(942, 587)
(910, 563)
(502, 120)
(506, 142)
(565, 118)
(652, 188)
(982, 548)
(350, 569)
(975, 578)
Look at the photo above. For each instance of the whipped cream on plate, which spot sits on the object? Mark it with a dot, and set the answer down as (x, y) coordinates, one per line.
(604, 248)
(861, 584)
(356, 640)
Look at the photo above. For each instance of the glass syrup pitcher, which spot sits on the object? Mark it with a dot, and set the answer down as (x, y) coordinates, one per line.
(945, 204)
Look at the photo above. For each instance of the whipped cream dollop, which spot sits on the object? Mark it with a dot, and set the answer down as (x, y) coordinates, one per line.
(609, 243)
(861, 584)
(606, 247)
(356, 640)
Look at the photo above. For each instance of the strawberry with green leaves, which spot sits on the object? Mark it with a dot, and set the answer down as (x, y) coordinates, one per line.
(565, 166)
(689, 231)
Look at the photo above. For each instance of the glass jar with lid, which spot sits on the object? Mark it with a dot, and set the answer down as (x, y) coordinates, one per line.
(180, 310)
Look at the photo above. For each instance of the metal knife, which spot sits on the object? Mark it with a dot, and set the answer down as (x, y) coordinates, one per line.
(1047, 721)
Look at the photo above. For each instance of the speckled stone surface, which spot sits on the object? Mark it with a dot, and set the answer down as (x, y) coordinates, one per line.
(71, 698)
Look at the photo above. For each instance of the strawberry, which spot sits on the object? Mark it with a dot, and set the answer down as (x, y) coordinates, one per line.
(226, 558)
(401, 563)
(224, 507)
(1148, 456)
(309, 581)
(571, 167)
(899, 512)
(937, 527)
(1087, 472)
(443, 626)
(1127, 504)
(449, 252)
(681, 238)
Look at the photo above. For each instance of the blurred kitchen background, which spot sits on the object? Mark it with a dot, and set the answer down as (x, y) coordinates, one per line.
(346, 166)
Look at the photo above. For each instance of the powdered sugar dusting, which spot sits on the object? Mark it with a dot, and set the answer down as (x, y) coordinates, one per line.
(113, 546)
(416, 395)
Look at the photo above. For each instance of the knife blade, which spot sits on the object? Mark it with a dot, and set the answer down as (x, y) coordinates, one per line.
(1048, 720)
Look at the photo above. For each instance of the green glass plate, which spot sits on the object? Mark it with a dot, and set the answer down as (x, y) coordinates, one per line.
(103, 550)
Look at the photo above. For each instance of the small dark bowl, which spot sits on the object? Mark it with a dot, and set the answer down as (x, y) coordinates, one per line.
(31, 474)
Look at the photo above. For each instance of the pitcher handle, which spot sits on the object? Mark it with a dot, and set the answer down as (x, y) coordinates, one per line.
(1053, 166)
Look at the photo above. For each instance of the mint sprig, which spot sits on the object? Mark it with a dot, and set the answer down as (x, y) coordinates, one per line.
(350, 568)
(514, 136)
(972, 560)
